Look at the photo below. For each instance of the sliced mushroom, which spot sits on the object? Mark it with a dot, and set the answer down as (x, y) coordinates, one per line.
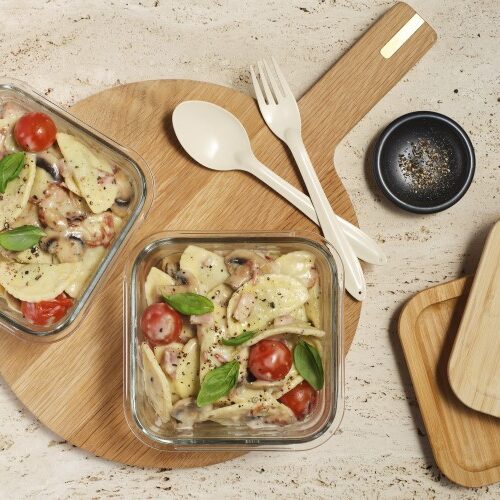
(185, 282)
(124, 195)
(188, 413)
(66, 249)
(169, 266)
(50, 164)
(244, 265)
(59, 208)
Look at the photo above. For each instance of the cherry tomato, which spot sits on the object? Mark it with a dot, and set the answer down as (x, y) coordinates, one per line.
(47, 312)
(35, 132)
(161, 324)
(269, 360)
(300, 399)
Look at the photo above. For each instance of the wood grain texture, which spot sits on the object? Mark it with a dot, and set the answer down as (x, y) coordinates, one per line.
(75, 386)
(474, 368)
(465, 443)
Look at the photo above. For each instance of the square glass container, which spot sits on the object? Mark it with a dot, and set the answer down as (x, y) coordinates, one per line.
(127, 160)
(307, 434)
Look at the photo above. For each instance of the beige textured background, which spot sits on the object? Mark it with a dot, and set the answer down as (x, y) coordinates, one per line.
(72, 48)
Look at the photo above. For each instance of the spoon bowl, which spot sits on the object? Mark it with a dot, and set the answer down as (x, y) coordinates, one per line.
(211, 135)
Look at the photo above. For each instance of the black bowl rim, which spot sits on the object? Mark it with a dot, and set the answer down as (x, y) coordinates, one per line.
(385, 137)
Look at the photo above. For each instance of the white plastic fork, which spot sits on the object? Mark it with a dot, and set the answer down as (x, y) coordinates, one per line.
(281, 113)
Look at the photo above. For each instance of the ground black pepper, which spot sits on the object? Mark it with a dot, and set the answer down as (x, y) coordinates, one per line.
(427, 164)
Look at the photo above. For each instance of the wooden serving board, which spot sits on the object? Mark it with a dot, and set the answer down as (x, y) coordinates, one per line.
(474, 368)
(465, 443)
(75, 386)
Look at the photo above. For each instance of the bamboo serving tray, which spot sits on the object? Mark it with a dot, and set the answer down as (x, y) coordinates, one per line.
(74, 387)
(465, 442)
(474, 368)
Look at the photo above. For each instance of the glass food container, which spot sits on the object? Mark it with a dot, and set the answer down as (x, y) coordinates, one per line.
(127, 160)
(316, 428)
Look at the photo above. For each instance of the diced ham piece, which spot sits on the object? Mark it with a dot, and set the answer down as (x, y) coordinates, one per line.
(202, 319)
(244, 307)
(170, 362)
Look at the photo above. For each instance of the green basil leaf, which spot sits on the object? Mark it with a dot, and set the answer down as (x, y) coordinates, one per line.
(189, 303)
(308, 363)
(239, 339)
(10, 168)
(21, 238)
(218, 382)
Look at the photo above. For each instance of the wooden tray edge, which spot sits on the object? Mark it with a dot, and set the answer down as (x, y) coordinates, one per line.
(406, 326)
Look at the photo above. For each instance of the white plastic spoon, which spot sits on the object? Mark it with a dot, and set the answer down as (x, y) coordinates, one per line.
(217, 140)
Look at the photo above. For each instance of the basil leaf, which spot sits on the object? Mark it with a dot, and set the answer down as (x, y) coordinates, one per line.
(189, 303)
(21, 238)
(10, 168)
(308, 363)
(239, 339)
(218, 383)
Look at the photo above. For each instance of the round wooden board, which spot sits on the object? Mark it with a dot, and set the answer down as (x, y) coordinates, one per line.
(74, 387)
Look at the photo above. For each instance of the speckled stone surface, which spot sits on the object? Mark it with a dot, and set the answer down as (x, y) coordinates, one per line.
(70, 49)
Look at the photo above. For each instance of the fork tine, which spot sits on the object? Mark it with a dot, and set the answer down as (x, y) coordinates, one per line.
(257, 89)
(274, 84)
(282, 79)
(267, 91)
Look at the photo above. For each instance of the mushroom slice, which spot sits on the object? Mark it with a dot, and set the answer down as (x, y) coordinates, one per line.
(66, 249)
(155, 282)
(274, 294)
(188, 413)
(184, 282)
(124, 194)
(207, 267)
(156, 385)
(49, 164)
(244, 265)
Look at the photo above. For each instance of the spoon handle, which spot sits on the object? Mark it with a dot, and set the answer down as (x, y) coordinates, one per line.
(364, 247)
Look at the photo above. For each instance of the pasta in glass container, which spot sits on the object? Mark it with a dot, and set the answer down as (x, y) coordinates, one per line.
(234, 340)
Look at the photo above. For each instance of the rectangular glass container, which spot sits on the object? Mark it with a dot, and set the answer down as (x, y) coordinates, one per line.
(127, 160)
(309, 433)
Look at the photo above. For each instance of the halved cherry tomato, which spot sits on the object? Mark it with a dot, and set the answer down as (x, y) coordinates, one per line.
(161, 324)
(300, 399)
(269, 360)
(35, 132)
(47, 312)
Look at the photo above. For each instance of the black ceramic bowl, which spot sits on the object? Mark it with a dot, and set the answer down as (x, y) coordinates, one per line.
(424, 162)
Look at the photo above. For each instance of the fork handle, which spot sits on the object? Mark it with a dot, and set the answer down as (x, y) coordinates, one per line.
(364, 247)
(332, 230)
